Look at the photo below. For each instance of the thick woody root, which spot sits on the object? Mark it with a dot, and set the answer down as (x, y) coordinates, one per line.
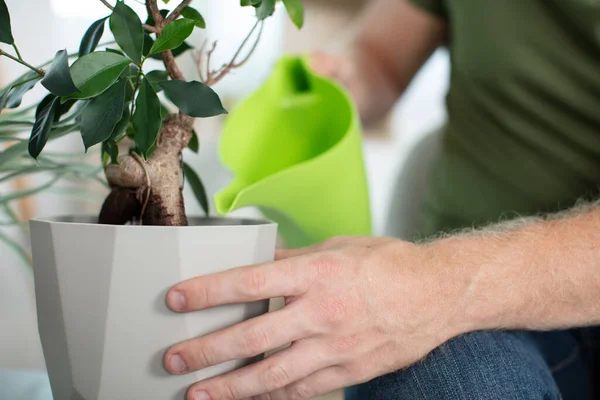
(150, 192)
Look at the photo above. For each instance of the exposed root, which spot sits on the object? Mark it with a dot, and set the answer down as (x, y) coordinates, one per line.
(148, 186)
(160, 177)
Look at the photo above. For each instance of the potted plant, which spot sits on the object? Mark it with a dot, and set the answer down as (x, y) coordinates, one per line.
(100, 282)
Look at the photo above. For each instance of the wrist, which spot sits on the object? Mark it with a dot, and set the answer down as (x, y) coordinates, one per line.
(466, 265)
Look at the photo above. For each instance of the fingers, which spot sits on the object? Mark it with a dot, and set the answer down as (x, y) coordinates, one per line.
(319, 383)
(238, 285)
(244, 340)
(277, 371)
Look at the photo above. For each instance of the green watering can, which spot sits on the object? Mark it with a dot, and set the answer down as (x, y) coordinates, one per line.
(294, 147)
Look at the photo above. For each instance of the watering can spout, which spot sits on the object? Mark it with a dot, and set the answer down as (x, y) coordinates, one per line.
(225, 200)
(294, 147)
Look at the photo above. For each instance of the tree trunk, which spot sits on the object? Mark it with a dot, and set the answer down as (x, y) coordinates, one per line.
(150, 192)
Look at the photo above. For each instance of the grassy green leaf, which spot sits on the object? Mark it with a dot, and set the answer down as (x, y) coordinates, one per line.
(5, 30)
(15, 96)
(58, 79)
(245, 3)
(146, 118)
(193, 98)
(173, 35)
(102, 114)
(197, 187)
(193, 14)
(96, 72)
(194, 144)
(41, 128)
(128, 31)
(265, 9)
(295, 10)
(92, 37)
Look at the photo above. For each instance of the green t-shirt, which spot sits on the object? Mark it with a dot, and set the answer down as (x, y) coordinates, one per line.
(523, 132)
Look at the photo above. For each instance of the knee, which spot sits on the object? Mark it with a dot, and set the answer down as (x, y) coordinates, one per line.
(478, 365)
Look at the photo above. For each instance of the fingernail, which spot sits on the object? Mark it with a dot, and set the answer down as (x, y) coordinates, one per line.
(176, 364)
(201, 395)
(176, 300)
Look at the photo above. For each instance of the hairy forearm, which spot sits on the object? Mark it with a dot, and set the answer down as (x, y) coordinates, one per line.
(535, 274)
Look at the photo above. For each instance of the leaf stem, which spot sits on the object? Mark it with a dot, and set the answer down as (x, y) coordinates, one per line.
(17, 51)
(25, 81)
(107, 4)
(38, 71)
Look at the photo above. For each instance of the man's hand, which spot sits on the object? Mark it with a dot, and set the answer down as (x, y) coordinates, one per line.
(356, 308)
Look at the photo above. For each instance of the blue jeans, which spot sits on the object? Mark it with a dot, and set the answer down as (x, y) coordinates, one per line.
(493, 365)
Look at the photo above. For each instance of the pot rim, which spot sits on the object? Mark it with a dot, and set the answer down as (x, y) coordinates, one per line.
(194, 222)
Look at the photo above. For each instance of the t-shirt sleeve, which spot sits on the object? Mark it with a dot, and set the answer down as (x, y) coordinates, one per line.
(435, 7)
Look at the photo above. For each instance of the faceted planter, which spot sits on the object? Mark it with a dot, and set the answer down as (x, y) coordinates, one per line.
(100, 294)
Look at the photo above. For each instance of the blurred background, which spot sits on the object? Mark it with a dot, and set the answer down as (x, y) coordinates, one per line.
(59, 24)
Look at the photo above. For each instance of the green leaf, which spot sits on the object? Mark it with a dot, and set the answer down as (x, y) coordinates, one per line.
(155, 77)
(102, 114)
(111, 148)
(128, 31)
(41, 128)
(96, 72)
(245, 3)
(116, 51)
(164, 111)
(176, 52)
(15, 95)
(193, 98)
(193, 14)
(173, 35)
(197, 187)
(148, 43)
(5, 30)
(295, 10)
(4, 97)
(194, 144)
(92, 37)
(61, 108)
(58, 78)
(146, 118)
(131, 72)
(119, 130)
(265, 9)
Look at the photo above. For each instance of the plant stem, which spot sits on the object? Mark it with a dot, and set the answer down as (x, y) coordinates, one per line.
(107, 4)
(176, 12)
(17, 51)
(38, 71)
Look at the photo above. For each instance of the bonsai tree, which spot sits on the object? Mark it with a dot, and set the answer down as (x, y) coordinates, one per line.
(109, 96)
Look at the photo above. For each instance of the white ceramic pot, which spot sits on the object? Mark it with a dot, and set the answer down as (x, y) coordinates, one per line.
(100, 294)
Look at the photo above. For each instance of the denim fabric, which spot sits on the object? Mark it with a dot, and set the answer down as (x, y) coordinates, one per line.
(494, 365)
